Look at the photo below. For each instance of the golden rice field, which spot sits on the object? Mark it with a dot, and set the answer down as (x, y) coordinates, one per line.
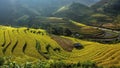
(27, 44)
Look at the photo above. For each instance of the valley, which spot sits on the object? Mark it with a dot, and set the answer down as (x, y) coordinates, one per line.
(59, 34)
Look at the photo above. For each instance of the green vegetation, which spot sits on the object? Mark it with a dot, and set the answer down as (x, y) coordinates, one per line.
(51, 64)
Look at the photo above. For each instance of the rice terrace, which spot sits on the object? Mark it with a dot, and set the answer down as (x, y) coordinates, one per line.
(60, 34)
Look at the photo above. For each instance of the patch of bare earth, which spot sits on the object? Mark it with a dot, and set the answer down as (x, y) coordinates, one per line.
(66, 44)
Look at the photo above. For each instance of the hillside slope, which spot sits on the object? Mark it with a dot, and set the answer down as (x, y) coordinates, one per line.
(31, 44)
(74, 11)
(108, 6)
(107, 14)
(58, 26)
(28, 45)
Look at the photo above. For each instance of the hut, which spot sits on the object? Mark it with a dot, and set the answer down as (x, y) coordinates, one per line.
(78, 46)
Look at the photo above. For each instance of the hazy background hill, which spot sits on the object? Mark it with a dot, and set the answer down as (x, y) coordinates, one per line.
(10, 10)
(75, 11)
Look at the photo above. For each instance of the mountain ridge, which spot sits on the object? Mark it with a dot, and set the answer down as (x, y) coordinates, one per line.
(13, 9)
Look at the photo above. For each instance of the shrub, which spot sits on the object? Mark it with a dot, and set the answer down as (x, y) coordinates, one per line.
(89, 64)
(2, 60)
(28, 65)
(42, 64)
(48, 47)
(59, 64)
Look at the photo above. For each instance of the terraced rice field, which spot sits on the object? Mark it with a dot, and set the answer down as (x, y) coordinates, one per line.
(102, 54)
(20, 42)
(27, 44)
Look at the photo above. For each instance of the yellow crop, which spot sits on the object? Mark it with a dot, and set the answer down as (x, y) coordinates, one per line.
(25, 44)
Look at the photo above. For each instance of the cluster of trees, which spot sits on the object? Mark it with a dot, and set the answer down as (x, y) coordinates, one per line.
(55, 29)
(61, 31)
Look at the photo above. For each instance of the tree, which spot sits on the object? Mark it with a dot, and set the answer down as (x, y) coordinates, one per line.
(67, 32)
(57, 30)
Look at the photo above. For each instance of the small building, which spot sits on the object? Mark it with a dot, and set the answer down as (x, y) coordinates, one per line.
(78, 46)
